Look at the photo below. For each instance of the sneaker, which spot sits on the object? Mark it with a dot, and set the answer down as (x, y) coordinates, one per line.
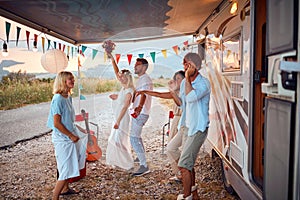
(141, 171)
(136, 160)
(181, 197)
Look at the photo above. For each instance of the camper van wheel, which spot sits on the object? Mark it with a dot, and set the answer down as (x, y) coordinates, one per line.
(227, 185)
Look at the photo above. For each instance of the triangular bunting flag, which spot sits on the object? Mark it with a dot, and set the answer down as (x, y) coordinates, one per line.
(68, 50)
(18, 35)
(175, 48)
(95, 51)
(27, 38)
(63, 48)
(118, 57)
(49, 42)
(164, 53)
(153, 56)
(59, 46)
(7, 30)
(186, 43)
(83, 48)
(141, 55)
(43, 44)
(72, 51)
(54, 45)
(129, 57)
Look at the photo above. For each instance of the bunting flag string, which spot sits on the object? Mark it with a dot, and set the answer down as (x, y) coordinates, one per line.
(94, 52)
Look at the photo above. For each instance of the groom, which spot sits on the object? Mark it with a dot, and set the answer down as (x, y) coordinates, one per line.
(141, 105)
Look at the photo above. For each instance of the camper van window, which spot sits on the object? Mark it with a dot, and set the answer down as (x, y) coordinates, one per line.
(231, 54)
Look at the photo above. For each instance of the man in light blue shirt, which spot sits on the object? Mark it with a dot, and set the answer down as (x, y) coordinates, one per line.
(196, 89)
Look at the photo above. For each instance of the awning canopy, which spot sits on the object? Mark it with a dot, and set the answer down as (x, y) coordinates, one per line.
(93, 21)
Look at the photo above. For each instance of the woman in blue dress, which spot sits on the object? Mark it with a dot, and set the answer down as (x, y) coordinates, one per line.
(69, 140)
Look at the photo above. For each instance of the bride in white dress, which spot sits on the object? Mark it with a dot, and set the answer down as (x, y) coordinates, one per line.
(118, 152)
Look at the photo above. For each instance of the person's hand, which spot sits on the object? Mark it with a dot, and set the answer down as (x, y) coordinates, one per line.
(74, 138)
(191, 70)
(109, 55)
(113, 96)
(116, 126)
(138, 110)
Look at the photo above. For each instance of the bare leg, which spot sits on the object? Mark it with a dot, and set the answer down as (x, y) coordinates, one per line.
(60, 185)
(186, 181)
(195, 193)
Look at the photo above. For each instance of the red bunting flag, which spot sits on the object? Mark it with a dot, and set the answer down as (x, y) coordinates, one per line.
(64, 46)
(129, 57)
(59, 46)
(27, 38)
(118, 57)
(186, 43)
(175, 48)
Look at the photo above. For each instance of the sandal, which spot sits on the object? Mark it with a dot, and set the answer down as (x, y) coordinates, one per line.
(70, 192)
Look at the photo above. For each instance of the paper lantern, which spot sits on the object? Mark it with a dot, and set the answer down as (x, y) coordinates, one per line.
(54, 61)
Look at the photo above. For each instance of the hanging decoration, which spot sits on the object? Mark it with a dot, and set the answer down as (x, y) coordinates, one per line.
(18, 35)
(63, 48)
(54, 44)
(175, 48)
(59, 46)
(83, 48)
(35, 49)
(129, 57)
(94, 52)
(27, 38)
(7, 24)
(118, 57)
(153, 56)
(164, 53)
(141, 55)
(49, 43)
(43, 44)
(54, 61)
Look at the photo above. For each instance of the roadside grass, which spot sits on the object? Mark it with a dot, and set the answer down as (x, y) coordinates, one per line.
(20, 89)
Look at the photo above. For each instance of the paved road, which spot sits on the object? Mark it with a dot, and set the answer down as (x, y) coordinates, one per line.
(30, 121)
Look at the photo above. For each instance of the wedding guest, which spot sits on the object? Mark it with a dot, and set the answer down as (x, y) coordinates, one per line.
(195, 90)
(141, 107)
(174, 140)
(118, 152)
(69, 139)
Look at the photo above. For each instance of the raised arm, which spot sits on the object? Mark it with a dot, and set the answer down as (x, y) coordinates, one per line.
(116, 68)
